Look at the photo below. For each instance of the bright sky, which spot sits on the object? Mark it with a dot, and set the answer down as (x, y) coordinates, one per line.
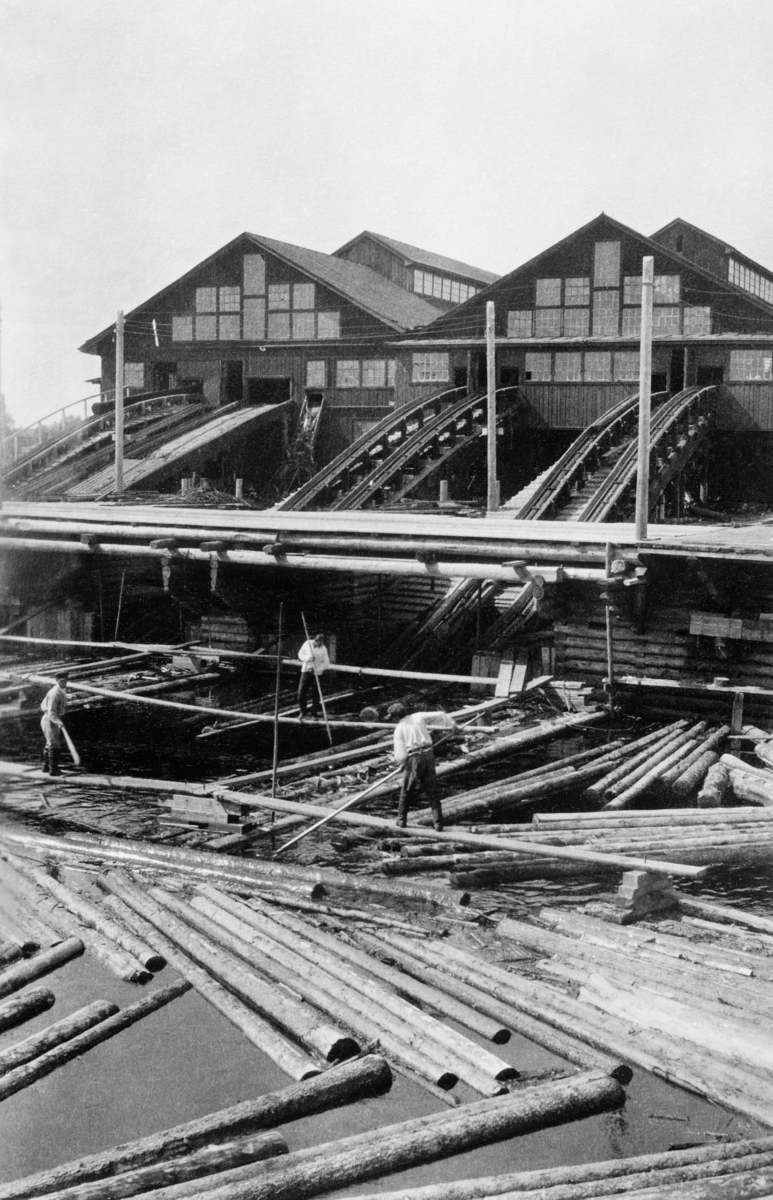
(140, 137)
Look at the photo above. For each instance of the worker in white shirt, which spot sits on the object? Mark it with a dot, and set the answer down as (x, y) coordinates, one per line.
(314, 662)
(414, 752)
(54, 706)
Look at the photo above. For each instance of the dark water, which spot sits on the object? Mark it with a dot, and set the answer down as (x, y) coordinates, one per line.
(186, 1059)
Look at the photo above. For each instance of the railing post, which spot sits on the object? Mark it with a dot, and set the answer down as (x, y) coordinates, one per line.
(645, 388)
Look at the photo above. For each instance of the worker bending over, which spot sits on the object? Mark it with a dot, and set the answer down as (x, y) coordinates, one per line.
(314, 662)
(54, 706)
(415, 753)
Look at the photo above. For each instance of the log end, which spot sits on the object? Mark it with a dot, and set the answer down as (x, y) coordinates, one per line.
(341, 1048)
(622, 1073)
(501, 1036)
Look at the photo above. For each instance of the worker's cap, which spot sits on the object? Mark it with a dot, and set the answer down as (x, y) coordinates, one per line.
(62, 676)
(319, 637)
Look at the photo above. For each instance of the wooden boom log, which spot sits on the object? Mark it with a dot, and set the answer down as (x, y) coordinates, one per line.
(308, 1173)
(61, 1031)
(343, 1084)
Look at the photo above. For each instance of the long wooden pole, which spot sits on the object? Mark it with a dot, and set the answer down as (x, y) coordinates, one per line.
(275, 759)
(316, 680)
(119, 374)
(610, 643)
(120, 605)
(645, 391)
(492, 488)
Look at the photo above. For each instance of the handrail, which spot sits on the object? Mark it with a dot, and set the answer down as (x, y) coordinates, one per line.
(57, 412)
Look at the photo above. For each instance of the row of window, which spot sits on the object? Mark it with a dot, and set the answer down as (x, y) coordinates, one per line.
(755, 365)
(254, 324)
(281, 297)
(576, 322)
(750, 281)
(442, 288)
(354, 373)
(576, 291)
(592, 366)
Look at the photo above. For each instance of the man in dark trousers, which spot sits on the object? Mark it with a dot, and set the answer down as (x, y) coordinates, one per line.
(54, 706)
(414, 752)
(314, 662)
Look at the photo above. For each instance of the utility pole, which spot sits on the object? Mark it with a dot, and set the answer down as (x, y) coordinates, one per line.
(492, 489)
(2, 421)
(645, 389)
(119, 402)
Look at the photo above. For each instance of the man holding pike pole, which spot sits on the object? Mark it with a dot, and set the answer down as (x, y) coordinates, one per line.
(54, 706)
(414, 752)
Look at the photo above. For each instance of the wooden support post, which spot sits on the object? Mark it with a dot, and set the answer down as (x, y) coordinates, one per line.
(275, 758)
(645, 388)
(119, 374)
(610, 643)
(492, 488)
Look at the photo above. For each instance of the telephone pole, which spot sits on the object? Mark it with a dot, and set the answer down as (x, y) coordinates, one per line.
(645, 390)
(119, 402)
(492, 488)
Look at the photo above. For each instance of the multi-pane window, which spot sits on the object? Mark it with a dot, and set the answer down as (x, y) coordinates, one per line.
(279, 295)
(134, 375)
(254, 275)
(598, 366)
(391, 372)
(228, 327)
(182, 329)
(606, 310)
(632, 289)
(750, 281)
(568, 367)
(206, 328)
(348, 373)
(303, 326)
(254, 318)
(547, 322)
(278, 326)
(303, 295)
(519, 322)
(547, 293)
(229, 299)
(441, 287)
(577, 291)
(631, 322)
(538, 367)
(576, 322)
(697, 319)
(627, 365)
(430, 368)
(606, 264)
(328, 325)
(374, 372)
(751, 365)
(316, 373)
(206, 299)
(667, 289)
(666, 319)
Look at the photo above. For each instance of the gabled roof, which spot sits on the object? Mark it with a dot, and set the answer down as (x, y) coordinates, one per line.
(725, 246)
(475, 303)
(425, 258)
(360, 285)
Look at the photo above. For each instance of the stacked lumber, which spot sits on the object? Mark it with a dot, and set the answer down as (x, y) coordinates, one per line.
(692, 1012)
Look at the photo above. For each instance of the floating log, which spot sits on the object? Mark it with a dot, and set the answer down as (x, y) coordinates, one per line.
(749, 788)
(692, 778)
(395, 980)
(712, 742)
(22, 1008)
(307, 1173)
(715, 786)
(640, 751)
(558, 1043)
(23, 1076)
(616, 1176)
(11, 952)
(342, 1084)
(423, 1044)
(22, 973)
(90, 915)
(635, 785)
(201, 1165)
(722, 913)
(54, 1035)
